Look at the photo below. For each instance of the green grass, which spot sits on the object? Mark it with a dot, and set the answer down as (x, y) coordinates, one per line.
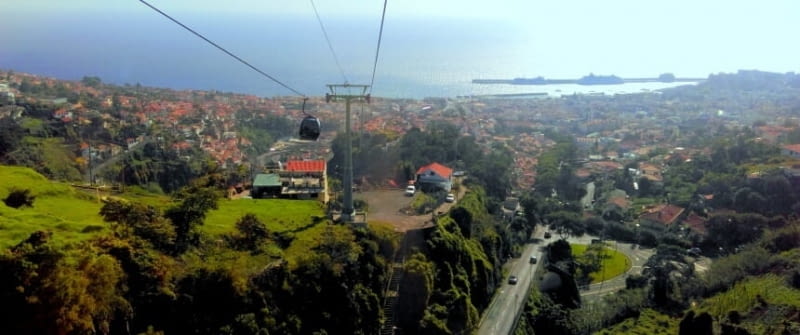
(614, 264)
(67, 212)
(140, 195)
(280, 215)
(57, 208)
(649, 322)
(773, 163)
(745, 296)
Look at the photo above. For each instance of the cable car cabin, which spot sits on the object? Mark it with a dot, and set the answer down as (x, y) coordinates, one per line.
(309, 128)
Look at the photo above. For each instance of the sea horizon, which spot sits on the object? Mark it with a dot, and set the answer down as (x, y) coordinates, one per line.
(418, 59)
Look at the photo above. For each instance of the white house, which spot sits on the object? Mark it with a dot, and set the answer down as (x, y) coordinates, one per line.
(433, 176)
(791, 150)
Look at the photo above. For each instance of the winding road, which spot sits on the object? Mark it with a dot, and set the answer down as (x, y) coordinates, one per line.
(508, 301)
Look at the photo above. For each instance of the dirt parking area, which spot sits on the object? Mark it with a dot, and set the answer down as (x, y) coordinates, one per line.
(387, 205)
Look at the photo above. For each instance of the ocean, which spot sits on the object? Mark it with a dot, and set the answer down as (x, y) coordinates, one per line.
(418, 58)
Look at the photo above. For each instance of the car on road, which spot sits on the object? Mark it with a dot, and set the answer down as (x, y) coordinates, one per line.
(410, 190)
(450, 197)
(512, 280)
(547, 234)
(533, 260)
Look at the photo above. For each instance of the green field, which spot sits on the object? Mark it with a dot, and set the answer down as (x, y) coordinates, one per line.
(614, 264)
(68, 212)
(71, 215)
(280, 215)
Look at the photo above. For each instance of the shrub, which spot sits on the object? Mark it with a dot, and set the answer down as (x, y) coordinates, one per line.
(19, 198)
(252, 232)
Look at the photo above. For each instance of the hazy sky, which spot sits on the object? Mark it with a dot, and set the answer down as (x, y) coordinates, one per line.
(557, 38)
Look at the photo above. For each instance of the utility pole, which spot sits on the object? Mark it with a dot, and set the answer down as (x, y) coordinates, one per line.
(348, 211)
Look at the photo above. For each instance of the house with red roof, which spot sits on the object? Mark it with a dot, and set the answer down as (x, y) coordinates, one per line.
(434, 176)
(791, 150)
(304, 179)
(663, 215)
(696, 223)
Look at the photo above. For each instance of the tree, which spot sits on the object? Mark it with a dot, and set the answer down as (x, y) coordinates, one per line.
(91, 81)
(189, 214)
(252, 232)
(48, 290)
(416, 290)
(566, 223)
(590, 261)
(11, 135)
(143, 221)
(116, 102)
(463, 218)
(731, 231)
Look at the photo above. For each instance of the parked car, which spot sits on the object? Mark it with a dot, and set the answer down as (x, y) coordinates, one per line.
(547, 234)
(450, 197)
(459, 173)
(410, 190)
(512, 280)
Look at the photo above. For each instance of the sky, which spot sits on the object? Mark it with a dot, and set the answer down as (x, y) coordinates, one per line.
(551, 38)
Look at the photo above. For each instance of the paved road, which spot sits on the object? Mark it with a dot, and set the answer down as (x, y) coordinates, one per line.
(507, 301)
(637, 256)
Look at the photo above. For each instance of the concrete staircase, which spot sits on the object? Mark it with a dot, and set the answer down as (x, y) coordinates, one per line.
(390, 303)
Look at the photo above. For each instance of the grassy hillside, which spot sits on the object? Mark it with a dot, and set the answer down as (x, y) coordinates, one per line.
(649, 322)
(71, 215)
(765, 303)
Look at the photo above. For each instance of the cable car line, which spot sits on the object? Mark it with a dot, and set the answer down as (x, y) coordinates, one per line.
(378, 48)
(330, 46)
(223, 49)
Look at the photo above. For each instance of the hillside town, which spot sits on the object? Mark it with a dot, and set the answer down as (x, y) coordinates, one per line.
(609, 129)
(678, 182)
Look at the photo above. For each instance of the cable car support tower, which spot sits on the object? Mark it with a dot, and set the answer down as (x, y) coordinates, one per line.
(344, 92)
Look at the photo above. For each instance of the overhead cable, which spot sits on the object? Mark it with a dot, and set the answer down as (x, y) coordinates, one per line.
(330, 46)
(378, 48)
(223, 49)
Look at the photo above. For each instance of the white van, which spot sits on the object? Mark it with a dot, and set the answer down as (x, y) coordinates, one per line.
(410, 190)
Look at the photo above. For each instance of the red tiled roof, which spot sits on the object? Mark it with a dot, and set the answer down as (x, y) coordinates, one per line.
(440, 169)
(792, 147)
(306, 166)
(696, 223)
(621, 202)
(665, 214)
